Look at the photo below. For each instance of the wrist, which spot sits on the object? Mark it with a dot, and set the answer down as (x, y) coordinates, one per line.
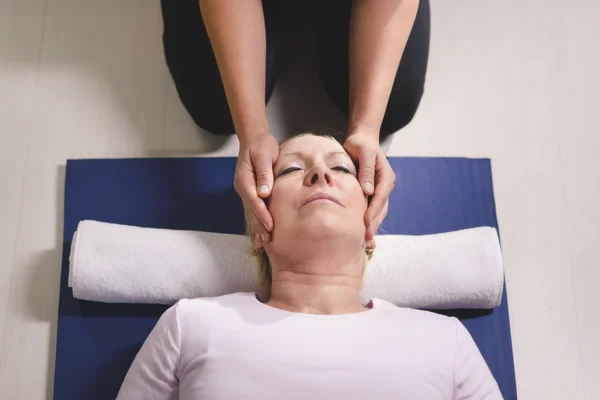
(364, 118)
(250, 122)
(365, 130)
(247, 136)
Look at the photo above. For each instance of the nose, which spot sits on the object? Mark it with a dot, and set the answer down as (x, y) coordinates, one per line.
(319, 175)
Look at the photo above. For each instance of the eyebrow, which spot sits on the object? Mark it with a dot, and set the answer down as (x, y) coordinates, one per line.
(328, 154)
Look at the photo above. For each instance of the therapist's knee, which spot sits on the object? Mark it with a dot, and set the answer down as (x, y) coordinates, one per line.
(401, 109)
(207, 108)
(216, 120)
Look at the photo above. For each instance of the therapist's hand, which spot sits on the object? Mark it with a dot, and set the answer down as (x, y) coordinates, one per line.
(254, 181)
(375, 175)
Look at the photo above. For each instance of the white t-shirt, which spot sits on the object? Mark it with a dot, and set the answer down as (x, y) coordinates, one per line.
(235, 347)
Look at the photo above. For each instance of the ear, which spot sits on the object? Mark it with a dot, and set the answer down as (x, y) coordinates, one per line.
(257, 245)
(370, 244)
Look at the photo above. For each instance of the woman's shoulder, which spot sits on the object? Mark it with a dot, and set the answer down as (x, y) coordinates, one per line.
(211, 303)
(207, 307)
(406, 313)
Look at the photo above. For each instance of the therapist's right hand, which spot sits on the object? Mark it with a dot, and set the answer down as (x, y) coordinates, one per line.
(254, 181)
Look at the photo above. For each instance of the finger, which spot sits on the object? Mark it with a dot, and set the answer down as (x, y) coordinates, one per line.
(371, 231)
(378, 201)
(366, 169)
(263, 168)
(382, 214)
(371, 245)
(369, 236)
(385, 211)
(257, 232)
(376, 222)
(375, 208)
(244, 185)
(257, 206)
(385, 182)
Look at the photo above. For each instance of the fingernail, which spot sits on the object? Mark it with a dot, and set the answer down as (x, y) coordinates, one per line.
(368, 187)
(257, 238)
(263, 238)
(264, 189)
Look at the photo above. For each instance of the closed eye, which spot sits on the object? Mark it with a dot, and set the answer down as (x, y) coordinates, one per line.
(288, 170)
(343, 169)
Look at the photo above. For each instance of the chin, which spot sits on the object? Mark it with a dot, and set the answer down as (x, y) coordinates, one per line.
(325, 225)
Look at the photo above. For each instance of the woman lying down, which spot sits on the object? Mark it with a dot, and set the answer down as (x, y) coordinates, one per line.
(312, 338)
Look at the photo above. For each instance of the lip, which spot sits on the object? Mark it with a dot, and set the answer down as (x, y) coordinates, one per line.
(320, 196)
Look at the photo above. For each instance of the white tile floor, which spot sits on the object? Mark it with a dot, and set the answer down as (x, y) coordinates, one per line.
(515, 81)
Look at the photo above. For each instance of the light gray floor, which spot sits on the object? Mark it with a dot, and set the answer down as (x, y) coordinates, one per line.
(516, 81)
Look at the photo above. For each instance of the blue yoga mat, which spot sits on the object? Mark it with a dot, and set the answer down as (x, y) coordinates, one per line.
(96, 342)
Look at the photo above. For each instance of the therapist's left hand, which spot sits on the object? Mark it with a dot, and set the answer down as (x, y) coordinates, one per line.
(375, 175)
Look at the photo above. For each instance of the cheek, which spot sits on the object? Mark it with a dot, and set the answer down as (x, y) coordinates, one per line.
(356, 196)
(280, 199)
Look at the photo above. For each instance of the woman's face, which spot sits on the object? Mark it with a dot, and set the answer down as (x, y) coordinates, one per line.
(316, 194)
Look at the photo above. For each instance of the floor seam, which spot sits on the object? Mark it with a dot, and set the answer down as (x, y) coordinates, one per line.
(563, 192)
(25, 173)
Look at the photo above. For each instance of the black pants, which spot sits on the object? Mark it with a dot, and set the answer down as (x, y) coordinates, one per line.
(192, 63)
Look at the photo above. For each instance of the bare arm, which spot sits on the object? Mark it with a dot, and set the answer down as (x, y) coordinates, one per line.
(236, 30)
(379, 30)
(237, 34)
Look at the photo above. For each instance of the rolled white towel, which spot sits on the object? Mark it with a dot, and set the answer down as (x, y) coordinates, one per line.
(461, 269)
(125, 264)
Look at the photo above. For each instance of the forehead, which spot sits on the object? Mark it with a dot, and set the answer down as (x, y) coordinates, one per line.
(310, 144)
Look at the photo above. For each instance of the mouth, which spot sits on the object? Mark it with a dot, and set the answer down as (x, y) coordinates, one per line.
(321, 197)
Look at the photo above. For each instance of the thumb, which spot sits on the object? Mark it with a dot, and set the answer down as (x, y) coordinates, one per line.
(366, 170)
(263, 167)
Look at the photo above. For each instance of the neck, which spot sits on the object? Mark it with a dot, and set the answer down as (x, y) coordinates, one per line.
(318, 285)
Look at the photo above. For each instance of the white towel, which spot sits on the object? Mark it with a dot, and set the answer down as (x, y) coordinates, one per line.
(124, 264)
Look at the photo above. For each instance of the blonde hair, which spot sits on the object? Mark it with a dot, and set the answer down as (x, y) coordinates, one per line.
(263, 264)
